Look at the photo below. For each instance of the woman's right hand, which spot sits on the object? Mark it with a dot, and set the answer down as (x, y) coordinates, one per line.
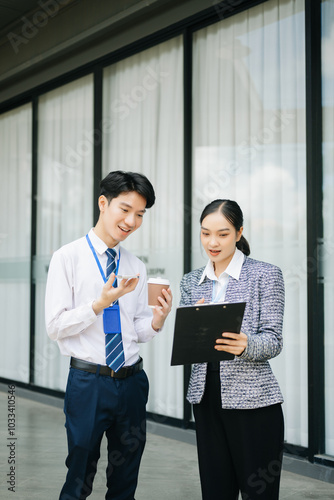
(201, 301)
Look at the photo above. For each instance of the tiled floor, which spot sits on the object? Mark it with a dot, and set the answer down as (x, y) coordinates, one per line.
(168, 470)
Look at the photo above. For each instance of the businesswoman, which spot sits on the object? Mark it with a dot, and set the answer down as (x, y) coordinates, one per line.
(237, 403)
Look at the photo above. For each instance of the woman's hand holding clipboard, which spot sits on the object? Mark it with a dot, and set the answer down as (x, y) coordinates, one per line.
(234, 343)
(200, 333)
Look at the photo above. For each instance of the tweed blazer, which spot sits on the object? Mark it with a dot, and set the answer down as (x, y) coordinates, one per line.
(247, 381)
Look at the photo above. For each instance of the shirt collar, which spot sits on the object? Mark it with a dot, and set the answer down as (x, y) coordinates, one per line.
(233, 269)
(99, 245)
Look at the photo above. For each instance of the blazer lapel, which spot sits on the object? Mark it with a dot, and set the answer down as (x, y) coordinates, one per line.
(235, 290)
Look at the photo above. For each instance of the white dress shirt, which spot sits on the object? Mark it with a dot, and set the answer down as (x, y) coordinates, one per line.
(74, 282)
(220, 284)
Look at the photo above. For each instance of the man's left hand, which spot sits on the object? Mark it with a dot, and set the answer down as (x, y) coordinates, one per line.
(160, 313)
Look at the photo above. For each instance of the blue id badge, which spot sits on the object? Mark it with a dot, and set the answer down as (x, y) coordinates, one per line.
(112, 319)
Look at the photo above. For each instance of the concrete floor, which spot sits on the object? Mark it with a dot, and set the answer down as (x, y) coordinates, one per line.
(168, 470)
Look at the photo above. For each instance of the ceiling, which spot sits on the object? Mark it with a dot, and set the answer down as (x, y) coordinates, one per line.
(12, 10)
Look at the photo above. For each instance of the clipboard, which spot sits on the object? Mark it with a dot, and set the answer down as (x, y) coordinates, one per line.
(197, 328)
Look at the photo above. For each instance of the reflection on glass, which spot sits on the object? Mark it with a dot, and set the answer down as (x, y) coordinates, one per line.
(15, 242)
(64, 203)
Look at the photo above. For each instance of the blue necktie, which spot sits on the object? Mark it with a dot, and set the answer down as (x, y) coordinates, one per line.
(114, 344)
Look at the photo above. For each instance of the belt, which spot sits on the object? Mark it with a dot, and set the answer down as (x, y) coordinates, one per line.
(123, 372)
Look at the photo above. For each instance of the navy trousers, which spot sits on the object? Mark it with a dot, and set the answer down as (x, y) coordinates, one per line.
(94, 405)
(238, 450)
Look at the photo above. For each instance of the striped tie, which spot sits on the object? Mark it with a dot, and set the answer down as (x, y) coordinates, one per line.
(114, 344)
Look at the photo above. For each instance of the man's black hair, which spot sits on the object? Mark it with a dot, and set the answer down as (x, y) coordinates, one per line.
(118, 182)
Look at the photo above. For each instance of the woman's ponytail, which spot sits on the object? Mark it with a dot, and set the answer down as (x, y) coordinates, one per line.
(243, 245)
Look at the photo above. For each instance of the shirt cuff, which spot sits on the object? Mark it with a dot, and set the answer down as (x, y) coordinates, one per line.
(91, 316)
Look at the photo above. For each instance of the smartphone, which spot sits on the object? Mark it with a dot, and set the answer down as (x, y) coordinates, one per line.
(121, 277)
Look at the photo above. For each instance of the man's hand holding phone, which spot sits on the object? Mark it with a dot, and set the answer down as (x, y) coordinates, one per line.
(110, 294)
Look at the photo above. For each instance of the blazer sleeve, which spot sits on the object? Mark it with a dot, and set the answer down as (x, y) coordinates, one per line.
(185, 288)
(267, 342)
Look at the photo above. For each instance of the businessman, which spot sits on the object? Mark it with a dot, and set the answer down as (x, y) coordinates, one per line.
(98, 319)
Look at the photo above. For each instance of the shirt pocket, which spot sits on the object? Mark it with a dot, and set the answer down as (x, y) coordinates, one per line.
(128, 304)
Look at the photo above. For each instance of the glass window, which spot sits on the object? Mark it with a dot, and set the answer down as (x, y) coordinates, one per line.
(15, 242)
(143, 132)
(64, 201)
(249, 146)
(328, 211)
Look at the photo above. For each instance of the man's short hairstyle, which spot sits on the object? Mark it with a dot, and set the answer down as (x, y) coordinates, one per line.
(118, 182)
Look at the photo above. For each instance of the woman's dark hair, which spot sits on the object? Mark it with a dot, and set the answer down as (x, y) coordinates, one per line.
(233, 213)
(118, 182)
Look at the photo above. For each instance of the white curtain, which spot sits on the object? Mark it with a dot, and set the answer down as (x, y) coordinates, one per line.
(143, 132)
(65, 200)
(328, 210)
(249, 145)
(15, 242)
